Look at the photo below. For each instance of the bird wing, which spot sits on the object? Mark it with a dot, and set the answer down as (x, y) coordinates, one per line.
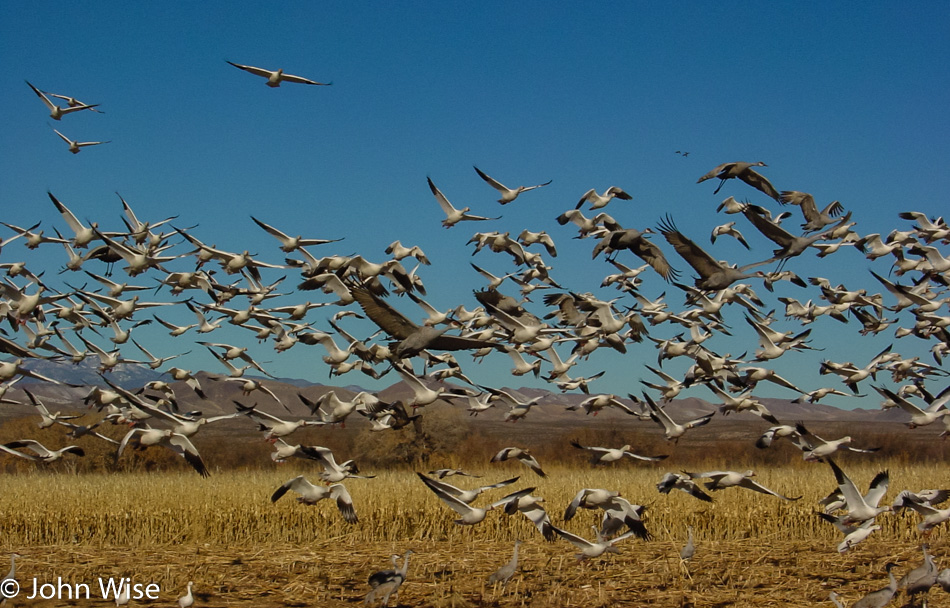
(715, 172)
(653, 255)
(344, 503)
(443, 202)
(757, 487)
(577, 541)
(759, 182)
(280, 236)
(184, 448)
(454, 503)
(302, 80)
(12, 452)
(500, 484)
(767, 227)
(68, 216)
(695, 256)
(382, 314)
(850, 492)
(296, 484)
(34, 446)
(49, 104)
(491, 182)
(252, 69)
(532, 463)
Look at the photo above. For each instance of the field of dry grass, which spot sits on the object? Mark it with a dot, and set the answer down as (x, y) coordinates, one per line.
(242, 550)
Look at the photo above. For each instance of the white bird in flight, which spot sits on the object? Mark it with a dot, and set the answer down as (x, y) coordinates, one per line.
(75, 146)
(275, 77)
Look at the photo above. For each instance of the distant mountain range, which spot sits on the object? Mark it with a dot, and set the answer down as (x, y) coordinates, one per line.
(77, 378)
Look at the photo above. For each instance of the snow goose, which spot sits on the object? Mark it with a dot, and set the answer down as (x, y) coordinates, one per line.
(467, 496)
(530, 238)
(521, 455)
(75, 145)
(273, 426)
(932, 516)
(288, 244)
(469, 515)
(860, 508)
(598, 201)
(728, 229)
(592, 549)
(332, 472)
(275, 77)
(387, 582)
(618, 511)
(530, 506)
(508, 570)
(918, 416)
(744, 172)
(678, 481)
(165, 437)
(720, 480)
(187, 600)
(56, 112)
(608, 455)
(42, 453)
(507, 194)
(819, 448)
(671, 429)
(443, 473)
(47, 419)
(452, 215)
(311, 495)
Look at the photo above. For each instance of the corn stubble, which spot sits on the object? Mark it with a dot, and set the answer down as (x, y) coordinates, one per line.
(241, 549)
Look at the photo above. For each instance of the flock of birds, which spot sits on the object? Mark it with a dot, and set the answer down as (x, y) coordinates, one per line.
(73, 324)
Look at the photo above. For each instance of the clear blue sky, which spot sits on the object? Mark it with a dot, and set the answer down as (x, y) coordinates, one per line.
(846, 102)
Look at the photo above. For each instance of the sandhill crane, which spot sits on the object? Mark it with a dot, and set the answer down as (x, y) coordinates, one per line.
(387, 582)
(508, 570)
(920, 579)
(744, 172)
(412, 338)
(713, 274)
(635, 242)
(275, 77)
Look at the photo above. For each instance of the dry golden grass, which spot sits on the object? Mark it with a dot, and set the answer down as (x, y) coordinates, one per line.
(242, 550)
